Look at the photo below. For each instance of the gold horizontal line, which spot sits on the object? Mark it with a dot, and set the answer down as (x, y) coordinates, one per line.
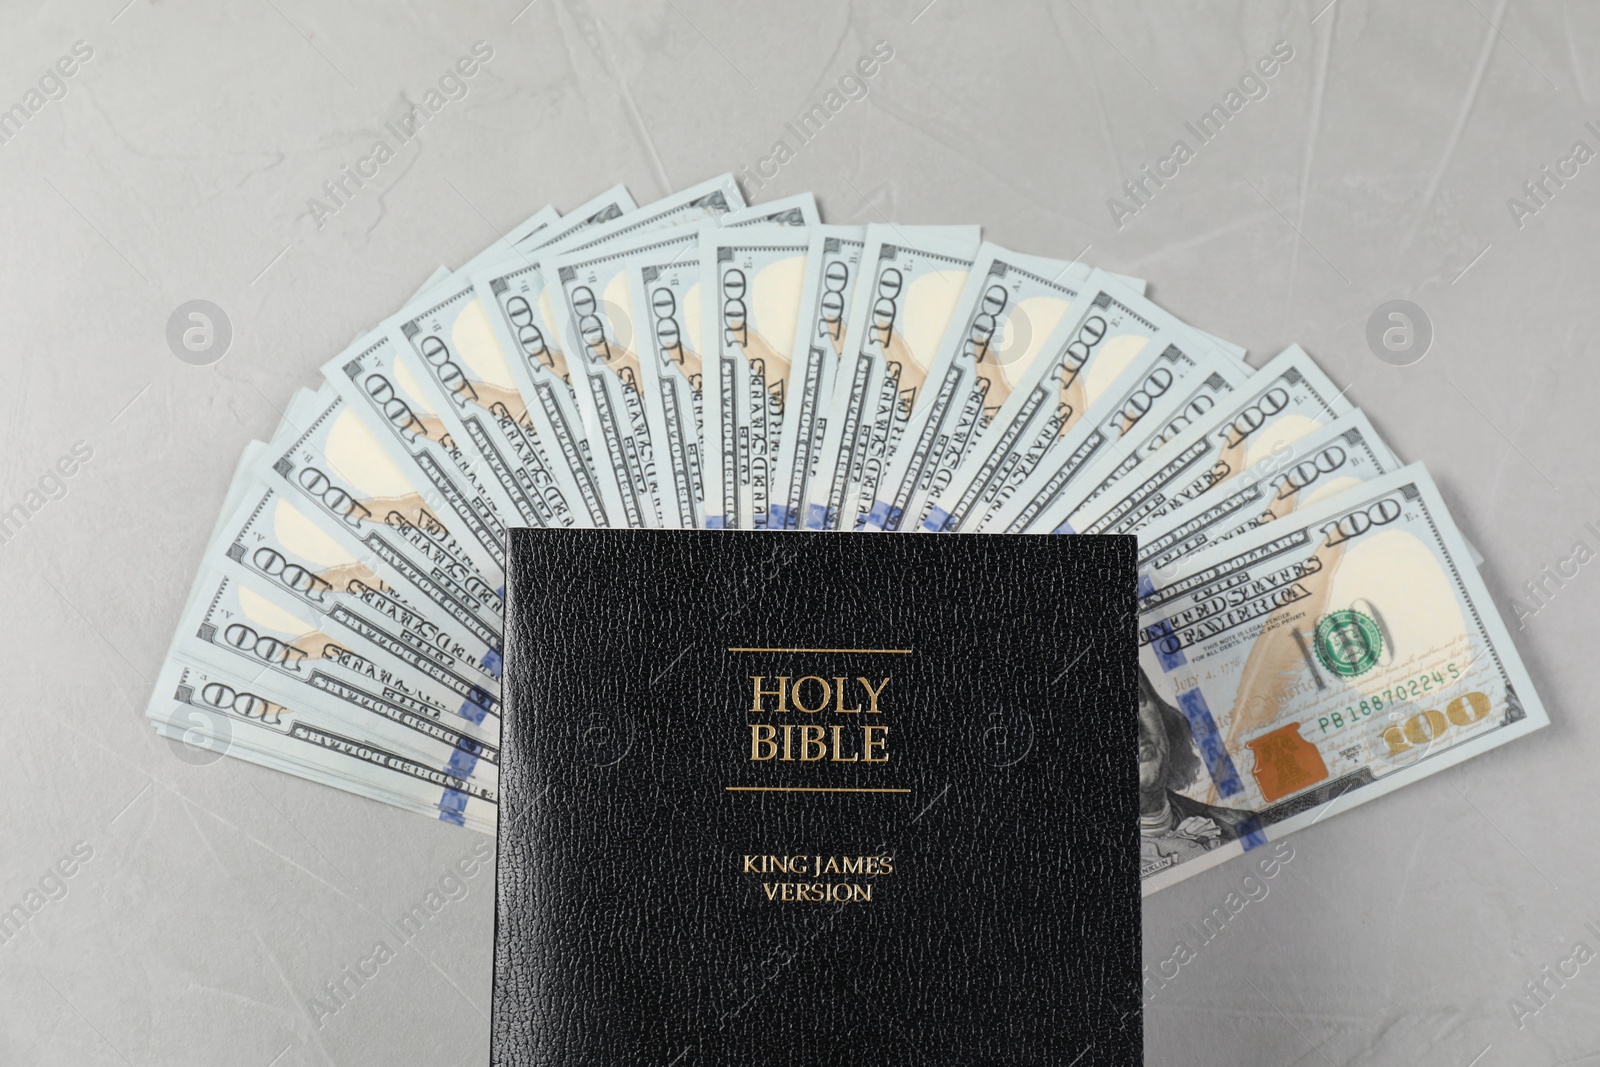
(804, 789)
(875, 651)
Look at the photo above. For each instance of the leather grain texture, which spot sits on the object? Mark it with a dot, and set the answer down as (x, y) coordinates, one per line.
(630, 926)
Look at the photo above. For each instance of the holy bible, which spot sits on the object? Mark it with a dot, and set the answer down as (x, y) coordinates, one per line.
(818, 799)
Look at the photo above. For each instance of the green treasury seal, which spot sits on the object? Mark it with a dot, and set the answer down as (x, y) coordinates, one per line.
(1348, 643)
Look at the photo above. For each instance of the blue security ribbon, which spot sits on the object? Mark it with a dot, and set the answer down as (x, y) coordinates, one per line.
(885, 515)
(452, 807)
(1223, 773)
(476, 706)
(462, 763)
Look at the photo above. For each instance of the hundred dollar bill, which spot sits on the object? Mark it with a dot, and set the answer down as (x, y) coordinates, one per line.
(1317, 662)
(282, 569)
(1140, 442)
(1285, 400)
(417, 557)
(1109, 329)
(200, 706)
(753, 280)
(541, 229)
(525, 320)
(664, 291)
(231, 745)
(513, 285)
(1007, 314)
(906, 293)
(519, 312)
(1155, 397)
(797, 209)
(271, 537)
(458, 358)
(199, 734)
(339, 692)
(706, 202)
(329, 461)
(245, 481)
(454, 353)
(599, 327)
(833, 262)
(394, 404)
(1345, 453)
(237, 628)
(204, 729)
(832, 269)
(516, 288)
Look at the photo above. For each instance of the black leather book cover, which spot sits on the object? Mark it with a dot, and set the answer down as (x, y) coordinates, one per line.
(857, 800)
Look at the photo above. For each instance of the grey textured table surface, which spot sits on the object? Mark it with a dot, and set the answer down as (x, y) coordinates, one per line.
(218, 902)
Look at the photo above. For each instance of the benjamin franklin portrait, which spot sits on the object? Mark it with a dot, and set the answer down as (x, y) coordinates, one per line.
(1172, 828)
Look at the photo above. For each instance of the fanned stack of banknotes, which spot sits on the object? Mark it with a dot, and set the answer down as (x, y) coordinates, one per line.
(1313, 628)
